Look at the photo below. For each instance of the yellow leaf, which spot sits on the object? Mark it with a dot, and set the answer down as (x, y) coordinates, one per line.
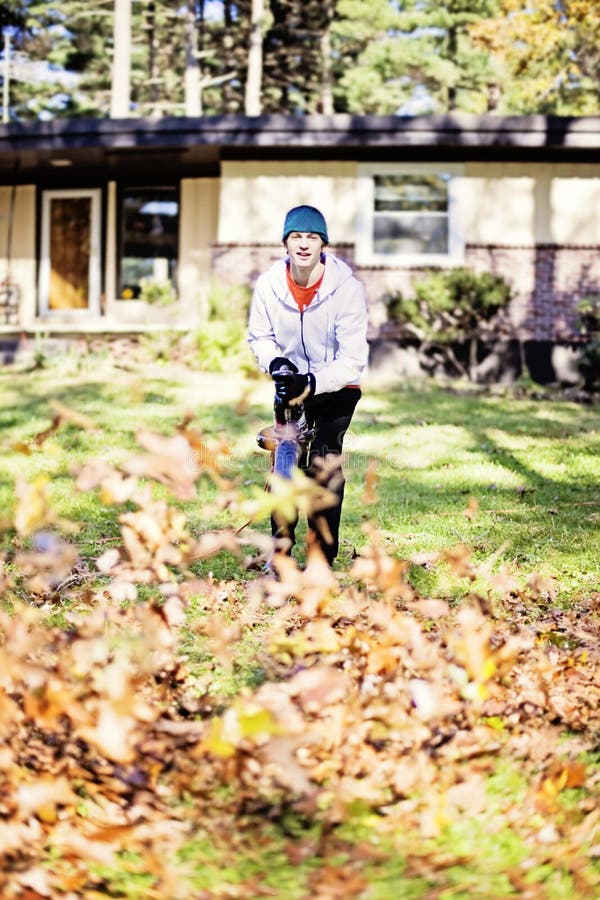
(21, 447)
(255, 722)
(33, 510)
(287, 497)
(241, 721)
(47, 814)
(215, 744)
(288, 647)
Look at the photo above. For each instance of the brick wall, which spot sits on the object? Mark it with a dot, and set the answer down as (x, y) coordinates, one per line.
(547, 280)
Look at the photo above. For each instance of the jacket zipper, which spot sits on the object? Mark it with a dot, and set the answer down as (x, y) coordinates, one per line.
(302, 339)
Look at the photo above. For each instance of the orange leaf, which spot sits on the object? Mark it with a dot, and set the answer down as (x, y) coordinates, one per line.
(170, 460)
(472, 508)
(459, 560)
(42, 797)
(72, 416)
(371, 480)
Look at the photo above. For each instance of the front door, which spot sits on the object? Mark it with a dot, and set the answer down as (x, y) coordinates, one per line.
(70, 252)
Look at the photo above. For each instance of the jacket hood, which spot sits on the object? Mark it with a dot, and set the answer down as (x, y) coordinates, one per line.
(335, 274)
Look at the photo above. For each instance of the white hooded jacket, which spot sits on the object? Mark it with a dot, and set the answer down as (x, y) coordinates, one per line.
(328, 339)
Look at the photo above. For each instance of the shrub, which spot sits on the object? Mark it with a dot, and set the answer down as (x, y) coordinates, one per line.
(162, 293)
(589, 323)
(589, 366)
(454, 307)
(221, 341)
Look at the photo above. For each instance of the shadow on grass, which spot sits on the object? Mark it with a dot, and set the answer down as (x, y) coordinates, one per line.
(508, 454)
(482, 418)
(422, 495)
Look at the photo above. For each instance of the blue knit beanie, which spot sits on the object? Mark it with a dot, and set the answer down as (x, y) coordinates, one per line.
(305, 219)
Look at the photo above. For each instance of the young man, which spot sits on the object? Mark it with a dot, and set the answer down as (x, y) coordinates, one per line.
(309, 313)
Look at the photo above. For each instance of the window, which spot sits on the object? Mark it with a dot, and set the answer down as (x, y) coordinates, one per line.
(149, 230)
(408, 214)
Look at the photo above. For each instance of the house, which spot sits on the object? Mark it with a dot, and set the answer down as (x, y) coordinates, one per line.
(123, 225)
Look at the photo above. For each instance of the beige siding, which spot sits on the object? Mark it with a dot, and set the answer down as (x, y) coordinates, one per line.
(22, 268)
(110, 267)
(197, 231)
(528, 203)
(511, 203)
(498, 210)
(575, 205)
(256, 195)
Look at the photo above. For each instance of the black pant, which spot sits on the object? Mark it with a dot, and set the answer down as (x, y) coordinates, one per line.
(330, 414)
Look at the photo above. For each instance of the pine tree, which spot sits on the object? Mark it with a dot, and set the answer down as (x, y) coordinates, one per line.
(400, 55)
(360, 56)
(294, 68)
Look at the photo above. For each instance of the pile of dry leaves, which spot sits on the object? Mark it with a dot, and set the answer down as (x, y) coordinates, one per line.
(375, 701)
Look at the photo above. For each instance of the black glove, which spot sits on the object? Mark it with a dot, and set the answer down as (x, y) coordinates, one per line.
(281, 362)
(289, 386)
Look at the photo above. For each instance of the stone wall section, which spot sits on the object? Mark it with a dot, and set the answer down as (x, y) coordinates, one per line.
(547, 280)
(9, 304)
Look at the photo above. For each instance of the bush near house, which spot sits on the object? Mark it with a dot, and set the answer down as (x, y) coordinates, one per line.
(455, 318)
(161, 293)
(589, 361)
(221, 341)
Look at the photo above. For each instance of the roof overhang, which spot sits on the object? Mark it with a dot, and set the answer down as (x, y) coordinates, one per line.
(34, 151)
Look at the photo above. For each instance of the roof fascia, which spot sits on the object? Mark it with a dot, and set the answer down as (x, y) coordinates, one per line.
(455, 130)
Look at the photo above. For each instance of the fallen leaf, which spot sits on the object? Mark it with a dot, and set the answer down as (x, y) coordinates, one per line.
(169, 460)
(66, 414)
(371, 480)
(42, 797)
(472, 509)
(318, 686)
(33, 510)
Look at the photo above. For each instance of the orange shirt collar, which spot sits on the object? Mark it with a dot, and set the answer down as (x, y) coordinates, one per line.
(302, 295)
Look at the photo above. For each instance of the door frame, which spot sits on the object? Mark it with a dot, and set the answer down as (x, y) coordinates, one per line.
(94, 269)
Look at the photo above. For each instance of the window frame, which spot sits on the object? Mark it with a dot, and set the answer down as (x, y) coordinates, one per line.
(365, 252)
(123, 187)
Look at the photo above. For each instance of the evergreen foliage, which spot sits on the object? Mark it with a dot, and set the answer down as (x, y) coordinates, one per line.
(357, 56)
(453, 308)
(416, 56)
(589, 362)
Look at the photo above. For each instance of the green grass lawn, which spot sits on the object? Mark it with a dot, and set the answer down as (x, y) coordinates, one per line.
(514, 479)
